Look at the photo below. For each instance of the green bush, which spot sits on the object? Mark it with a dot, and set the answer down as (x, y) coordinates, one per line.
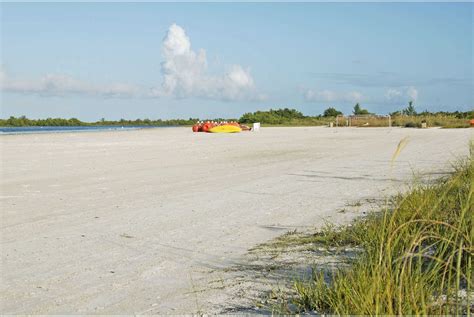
(279, 116)
(412, 125)
(331, 112)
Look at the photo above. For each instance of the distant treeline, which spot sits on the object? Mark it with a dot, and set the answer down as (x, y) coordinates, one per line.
(402, 117)
(285, 116)
(25, 122)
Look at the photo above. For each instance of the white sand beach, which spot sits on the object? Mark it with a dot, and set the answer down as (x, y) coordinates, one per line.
(130, 222)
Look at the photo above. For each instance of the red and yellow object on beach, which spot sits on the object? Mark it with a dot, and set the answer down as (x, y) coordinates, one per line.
(472, 122)
(225, 128)
(222, 127)
(206, 126)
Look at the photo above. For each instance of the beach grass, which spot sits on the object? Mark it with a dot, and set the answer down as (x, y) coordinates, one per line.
(414, 258)
(438, 120)
(443, 121)
(296, 122)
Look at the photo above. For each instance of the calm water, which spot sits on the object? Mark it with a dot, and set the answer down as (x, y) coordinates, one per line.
(27, 130)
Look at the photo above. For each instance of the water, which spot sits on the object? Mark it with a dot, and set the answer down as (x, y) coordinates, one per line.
(29, 130)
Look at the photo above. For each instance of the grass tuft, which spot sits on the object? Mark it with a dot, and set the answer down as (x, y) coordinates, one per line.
(415, 258)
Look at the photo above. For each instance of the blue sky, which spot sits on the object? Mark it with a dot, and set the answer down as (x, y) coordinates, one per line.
(164, 60)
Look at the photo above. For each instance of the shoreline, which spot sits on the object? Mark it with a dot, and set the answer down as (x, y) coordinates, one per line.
(72, 129)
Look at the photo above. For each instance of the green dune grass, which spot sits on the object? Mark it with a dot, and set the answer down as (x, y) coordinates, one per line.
(415, 258)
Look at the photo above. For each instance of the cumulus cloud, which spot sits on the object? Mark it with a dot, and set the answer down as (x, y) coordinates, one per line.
(54, 85)
(185, 73)
(401, 95)
(333, 96)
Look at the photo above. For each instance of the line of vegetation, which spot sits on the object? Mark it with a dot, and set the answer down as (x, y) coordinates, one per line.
(410, 118)
(284, 117)
(407, 117)
(414, 259)
(56, 122)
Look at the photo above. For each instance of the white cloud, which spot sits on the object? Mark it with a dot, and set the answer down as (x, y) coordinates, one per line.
(185, 73)
(3, 75)
(398, 95)
(333, 96)
(392, 94)
(355, 96)
(54, 85)
(412, 93)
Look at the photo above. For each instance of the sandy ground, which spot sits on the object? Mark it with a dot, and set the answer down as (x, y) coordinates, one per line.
(133, 222)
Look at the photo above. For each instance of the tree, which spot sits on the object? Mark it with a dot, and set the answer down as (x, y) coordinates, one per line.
(279, 116)
(410, 110)
(358, 110)
(331, 112)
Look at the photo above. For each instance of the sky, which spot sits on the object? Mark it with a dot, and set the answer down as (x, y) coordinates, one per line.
(206, 60)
